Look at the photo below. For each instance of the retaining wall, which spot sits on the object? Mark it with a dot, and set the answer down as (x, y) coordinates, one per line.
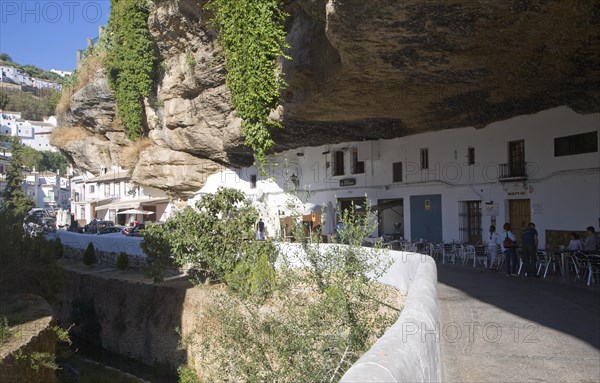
(409, 351)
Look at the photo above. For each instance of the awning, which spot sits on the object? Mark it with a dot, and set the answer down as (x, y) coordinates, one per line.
(132, 204)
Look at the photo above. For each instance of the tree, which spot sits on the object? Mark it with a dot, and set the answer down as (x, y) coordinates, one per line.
(5, 57)
(89, 255)
(16, 203)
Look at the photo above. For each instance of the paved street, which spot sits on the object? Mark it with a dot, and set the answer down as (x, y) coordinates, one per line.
(513, 329)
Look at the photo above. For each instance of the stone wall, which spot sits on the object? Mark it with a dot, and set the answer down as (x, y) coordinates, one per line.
(32, 336)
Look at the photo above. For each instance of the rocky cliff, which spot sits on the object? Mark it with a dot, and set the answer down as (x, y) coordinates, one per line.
(360, 70)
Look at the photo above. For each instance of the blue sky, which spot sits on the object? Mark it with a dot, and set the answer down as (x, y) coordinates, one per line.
(47, 33)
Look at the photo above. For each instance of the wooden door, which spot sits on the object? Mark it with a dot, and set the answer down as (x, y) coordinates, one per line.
(516, 158)
(519, 211)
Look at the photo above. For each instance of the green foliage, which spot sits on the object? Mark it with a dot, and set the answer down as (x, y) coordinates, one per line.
(16, 204)
(122, 261)
(44, 161)
(187, 375)
(157, 247)
(59, 249)
(33, 106)
(215, 236)
(254, 276)
(6, 332)
(130, 61)
(89, 255)
(324, 311)
(253, 37)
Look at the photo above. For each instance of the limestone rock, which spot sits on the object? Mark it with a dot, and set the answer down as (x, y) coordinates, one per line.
(360, 70)
(178, 173)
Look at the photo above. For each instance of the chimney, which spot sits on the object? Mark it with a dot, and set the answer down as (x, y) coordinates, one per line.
(100, 31)
(89, 41)
(78, 57)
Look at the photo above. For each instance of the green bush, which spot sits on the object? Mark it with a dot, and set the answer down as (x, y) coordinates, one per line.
(5, 331)
(187, 375)
(59, 249)
(122, 261)
(89, 255)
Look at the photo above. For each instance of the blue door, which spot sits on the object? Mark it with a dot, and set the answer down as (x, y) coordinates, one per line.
(426, 217)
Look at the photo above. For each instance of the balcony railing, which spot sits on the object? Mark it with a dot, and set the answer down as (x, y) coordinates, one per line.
(512, 171)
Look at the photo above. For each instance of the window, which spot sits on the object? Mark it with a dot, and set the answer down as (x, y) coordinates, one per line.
(253, 181)
(338, 163)
(358, 167)
(576, 144)
(470, 222)
(424, 158)
(471, 156)
(92, 189)
(397, 172)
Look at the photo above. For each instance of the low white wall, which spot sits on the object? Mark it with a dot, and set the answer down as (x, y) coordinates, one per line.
(409, 351)
(106, 243)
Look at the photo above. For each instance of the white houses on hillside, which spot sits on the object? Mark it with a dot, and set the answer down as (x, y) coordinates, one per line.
(106, 196)
(35, 134)
(448, 185)
(17, 76)
(48, 190)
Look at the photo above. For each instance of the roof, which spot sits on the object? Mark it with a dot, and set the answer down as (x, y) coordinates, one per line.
(132, 204)
(111, 176)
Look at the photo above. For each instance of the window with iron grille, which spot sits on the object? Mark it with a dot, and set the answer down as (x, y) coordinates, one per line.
(424, 158)
(358, 167)
(338, 163)
(576, 144)
(471, 156)
(470, 222)
(397, 172)
(253, 181)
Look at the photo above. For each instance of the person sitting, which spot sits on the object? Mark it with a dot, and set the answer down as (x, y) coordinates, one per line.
(574, 242)
(590, 242)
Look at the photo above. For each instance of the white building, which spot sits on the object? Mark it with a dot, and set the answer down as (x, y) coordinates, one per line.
(17, 76)
(61, 73)
(48, 190)
(449, 185)
(111, 193)
(35, 134)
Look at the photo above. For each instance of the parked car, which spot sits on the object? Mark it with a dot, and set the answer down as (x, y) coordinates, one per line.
(138, 230)
(111, 230)
(95, 227)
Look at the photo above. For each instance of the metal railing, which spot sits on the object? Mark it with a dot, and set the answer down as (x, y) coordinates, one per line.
(513, 170)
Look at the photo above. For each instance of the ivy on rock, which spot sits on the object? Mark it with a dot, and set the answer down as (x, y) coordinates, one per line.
(253, 37)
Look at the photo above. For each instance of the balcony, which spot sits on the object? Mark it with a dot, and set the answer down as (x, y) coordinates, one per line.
(514, 171)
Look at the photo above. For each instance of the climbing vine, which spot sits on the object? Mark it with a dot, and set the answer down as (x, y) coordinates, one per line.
(130, 61)
(253, 37)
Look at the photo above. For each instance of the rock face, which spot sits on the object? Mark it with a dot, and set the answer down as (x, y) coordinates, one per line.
(359, 70)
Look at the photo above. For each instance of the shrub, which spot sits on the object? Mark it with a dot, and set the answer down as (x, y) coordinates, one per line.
(89, 255)
(122, 261)
(187, 375)
(5, 331)
(59, 249)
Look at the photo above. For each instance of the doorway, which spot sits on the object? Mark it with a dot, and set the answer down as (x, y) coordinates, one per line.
(519, 215)
(426, 218)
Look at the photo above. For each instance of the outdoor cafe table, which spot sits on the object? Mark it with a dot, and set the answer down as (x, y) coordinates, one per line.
(563, 255)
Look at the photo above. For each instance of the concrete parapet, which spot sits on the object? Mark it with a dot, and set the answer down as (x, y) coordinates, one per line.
(410, 350)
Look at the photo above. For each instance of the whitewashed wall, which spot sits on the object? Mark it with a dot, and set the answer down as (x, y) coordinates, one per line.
(564, 190)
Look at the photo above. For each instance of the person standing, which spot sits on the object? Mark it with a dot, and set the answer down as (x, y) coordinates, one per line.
(590, 242)
(492, 248)
(510, 252)
(260, 230)
(529, 242)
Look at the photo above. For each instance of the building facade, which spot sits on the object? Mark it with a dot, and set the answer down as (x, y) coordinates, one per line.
(447, 185)
(105, 197)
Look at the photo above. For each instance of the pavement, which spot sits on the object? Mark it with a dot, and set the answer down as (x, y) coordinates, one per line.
(495, 328)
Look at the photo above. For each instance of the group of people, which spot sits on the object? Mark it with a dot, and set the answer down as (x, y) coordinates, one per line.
(529, 244)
